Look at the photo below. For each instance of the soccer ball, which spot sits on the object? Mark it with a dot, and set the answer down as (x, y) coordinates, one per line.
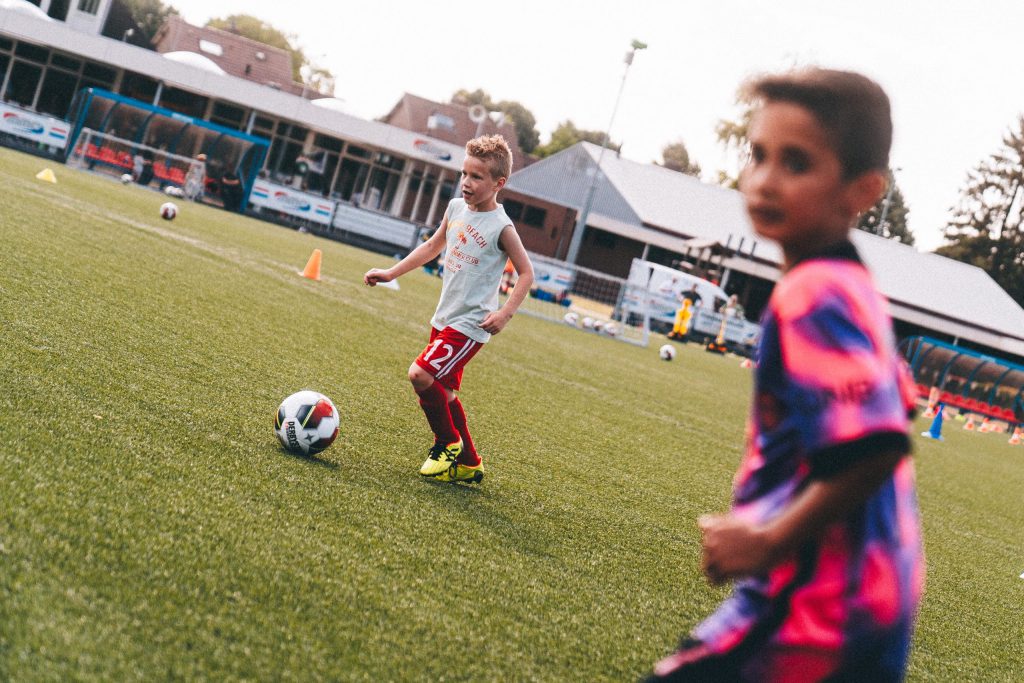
(588, 323)
(174, 191)
(168, 210)
(126, 178)
(611, 329)
(598, 326)
(306, 423)
(667, 352)
(572, 318)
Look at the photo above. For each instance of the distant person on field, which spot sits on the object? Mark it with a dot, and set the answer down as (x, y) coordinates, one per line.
(733, 308)
(681, 326)
(145, 176)
(691, 295)
(231, 190)
(195, 179)
(823, 539)
(480, 237)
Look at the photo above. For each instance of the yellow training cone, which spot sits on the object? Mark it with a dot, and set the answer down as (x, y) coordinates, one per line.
(312, 270)
(47, 175)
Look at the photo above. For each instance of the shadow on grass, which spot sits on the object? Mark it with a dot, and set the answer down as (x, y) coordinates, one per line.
(310, 459)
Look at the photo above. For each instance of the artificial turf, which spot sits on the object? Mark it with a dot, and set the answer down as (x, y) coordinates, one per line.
(151, 528)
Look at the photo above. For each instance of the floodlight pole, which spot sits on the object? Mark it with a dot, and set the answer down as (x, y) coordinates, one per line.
(888, 198)
(581, 220)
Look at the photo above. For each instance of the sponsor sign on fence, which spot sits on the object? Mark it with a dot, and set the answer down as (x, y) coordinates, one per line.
(291, 202)
(36, 127)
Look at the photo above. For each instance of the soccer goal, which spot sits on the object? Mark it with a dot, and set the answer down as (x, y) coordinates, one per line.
(133, 162)
(587, 300)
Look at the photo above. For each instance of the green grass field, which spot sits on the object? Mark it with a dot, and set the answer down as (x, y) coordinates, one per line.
(152, 529)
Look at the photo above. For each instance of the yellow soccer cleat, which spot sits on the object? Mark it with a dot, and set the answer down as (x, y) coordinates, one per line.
(440, 458)
(459, 472)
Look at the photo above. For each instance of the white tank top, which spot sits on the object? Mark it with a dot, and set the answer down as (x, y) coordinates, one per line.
(473, 265)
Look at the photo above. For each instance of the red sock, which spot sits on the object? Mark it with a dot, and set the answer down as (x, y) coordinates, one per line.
(434, 403)
(469, 455)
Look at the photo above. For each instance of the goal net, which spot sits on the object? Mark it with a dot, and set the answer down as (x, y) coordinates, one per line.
(109, 155)
(588, 300)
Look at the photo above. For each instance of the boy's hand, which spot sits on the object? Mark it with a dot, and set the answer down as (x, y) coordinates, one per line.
(732, 548)
(495, 321)
(375, 275)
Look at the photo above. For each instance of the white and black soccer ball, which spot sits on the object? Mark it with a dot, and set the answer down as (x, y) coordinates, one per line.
(174, 191)
(306, 423)
(126, 178)
(572, 318)
(611, 329)
(588, 323)
(168, 211)
(667, 352)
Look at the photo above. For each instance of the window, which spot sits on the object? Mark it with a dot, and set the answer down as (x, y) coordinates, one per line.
(32, 52)
(513, 208)
(21, 87)
(58, 89)
(211, 48)
(65, 62)
(227, 115)
(534, 216)
(88, 6)
(604, 239)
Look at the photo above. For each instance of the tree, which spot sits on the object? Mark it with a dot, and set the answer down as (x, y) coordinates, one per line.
(522, 118)
(986, 226)
(149, 14)
(676, 157)
(303, 70)
(567, 135)
(895, 225)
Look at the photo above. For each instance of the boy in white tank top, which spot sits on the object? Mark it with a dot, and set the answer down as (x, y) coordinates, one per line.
(479, 238)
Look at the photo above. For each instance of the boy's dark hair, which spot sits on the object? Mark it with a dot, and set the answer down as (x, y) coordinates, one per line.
(853, 110)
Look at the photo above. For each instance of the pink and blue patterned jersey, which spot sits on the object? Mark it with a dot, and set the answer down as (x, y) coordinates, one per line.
(830, 389)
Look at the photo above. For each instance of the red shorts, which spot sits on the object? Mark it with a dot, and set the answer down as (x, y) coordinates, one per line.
(446, 355)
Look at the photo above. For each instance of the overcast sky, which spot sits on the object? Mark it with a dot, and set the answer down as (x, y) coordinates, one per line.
(953, 69)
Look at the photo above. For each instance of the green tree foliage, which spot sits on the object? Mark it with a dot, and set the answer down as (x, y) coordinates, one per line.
(522, 118)
(895, 224)
(986, 226)
(303, 70)
(676, 157)
(149, 14)
(567, 135)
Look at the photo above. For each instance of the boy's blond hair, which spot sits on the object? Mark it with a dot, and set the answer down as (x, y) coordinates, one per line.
(495, 151)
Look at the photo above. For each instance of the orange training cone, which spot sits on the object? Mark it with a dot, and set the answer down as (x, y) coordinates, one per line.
(1015, 439)
(969, 425)
(984, 426)
(47, 175)
(312, 270)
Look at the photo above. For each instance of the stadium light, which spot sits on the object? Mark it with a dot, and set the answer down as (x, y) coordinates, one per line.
(581, 220)
(888, 197)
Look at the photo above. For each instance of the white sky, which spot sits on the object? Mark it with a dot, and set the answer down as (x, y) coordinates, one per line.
(952, 68)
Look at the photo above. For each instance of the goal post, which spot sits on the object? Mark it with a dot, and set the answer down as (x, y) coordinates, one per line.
(587, 300)
(116, 157)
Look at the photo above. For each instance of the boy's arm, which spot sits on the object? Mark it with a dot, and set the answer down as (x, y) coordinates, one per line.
(511, 244)
(416, 258)
(733, 548)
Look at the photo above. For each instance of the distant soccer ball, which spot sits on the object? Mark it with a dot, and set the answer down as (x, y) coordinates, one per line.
(611, 329)
(667, 352)
(306, 423)
(588, 323)
(572, 318)
(168, 210)
(126, 178)
(174, 191)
